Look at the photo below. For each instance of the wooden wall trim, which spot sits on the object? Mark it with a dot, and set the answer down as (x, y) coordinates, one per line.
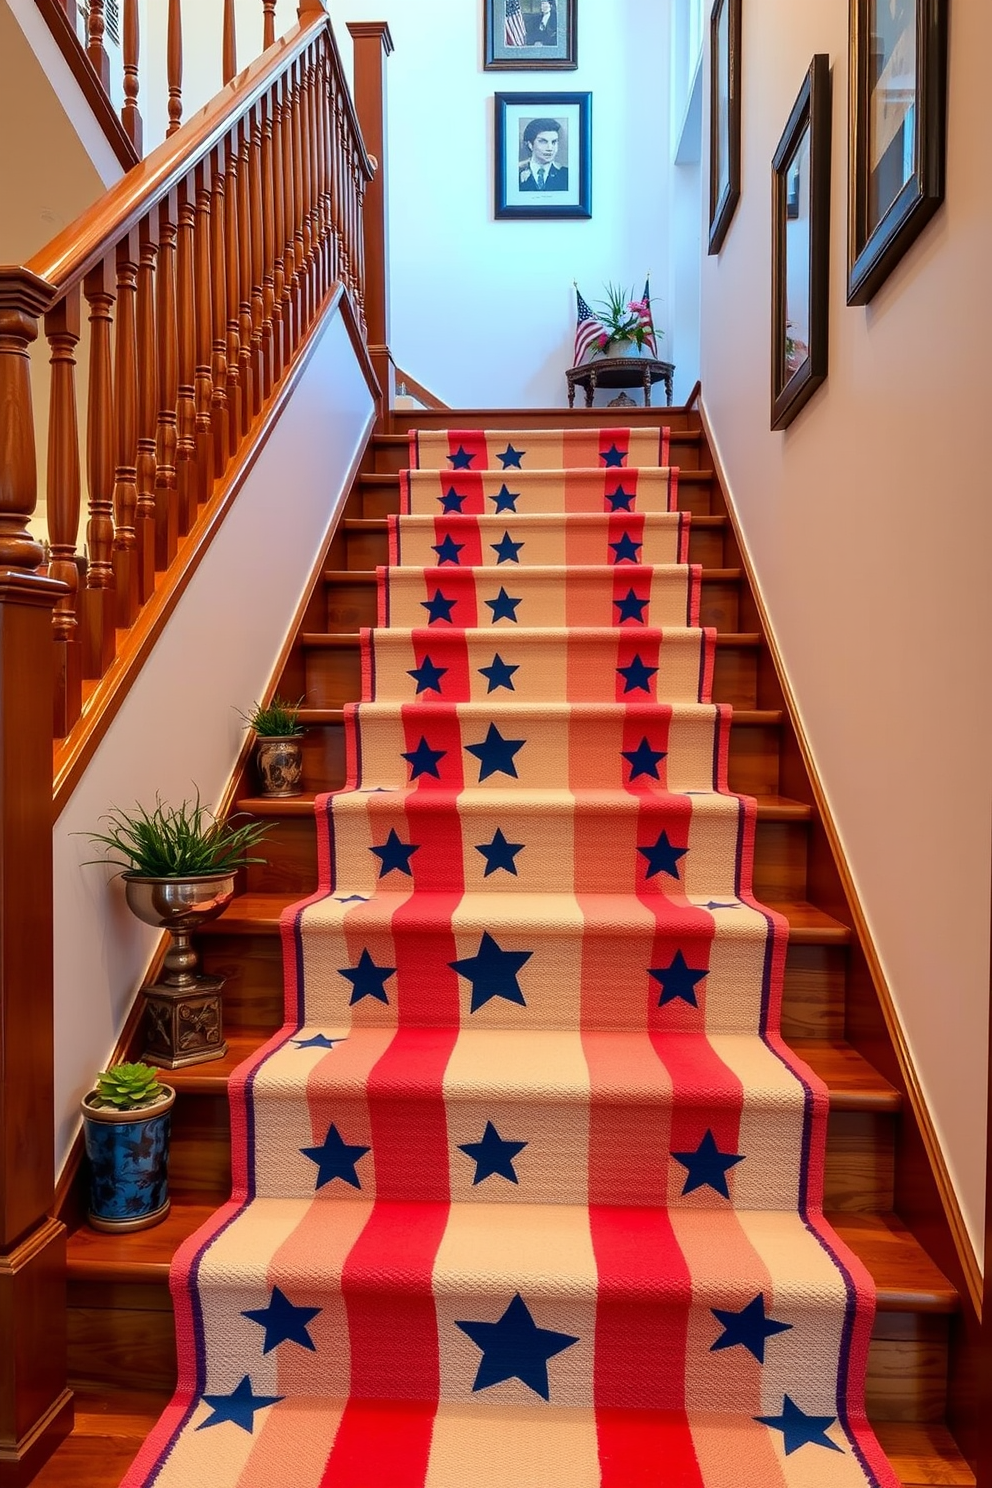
(418, 391)
(74, 753)
(72, 49)
(921, 1113)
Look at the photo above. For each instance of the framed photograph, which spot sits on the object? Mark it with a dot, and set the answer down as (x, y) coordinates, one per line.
(801, 248)
(898, 133)
(725, 117)
(530, 34)
(543, 155)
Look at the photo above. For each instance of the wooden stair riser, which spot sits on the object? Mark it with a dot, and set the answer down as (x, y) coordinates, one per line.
(334, 675)
(389, 456)
(366, 547)
(380, 494)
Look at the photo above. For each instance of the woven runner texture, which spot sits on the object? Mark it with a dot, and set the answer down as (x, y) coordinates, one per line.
(528, 1189)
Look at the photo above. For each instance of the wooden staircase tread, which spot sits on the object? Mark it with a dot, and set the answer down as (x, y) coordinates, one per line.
(378, 479)
(314, 640)
(636, 416)
(905, 1277)
(381, 524)
(924, 1454)
(853, 1083)
(212, 1078)
(770, 807)
(370, 575)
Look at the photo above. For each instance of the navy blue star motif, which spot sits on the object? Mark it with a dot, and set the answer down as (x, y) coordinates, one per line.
(319, 1041)
(461, 459)
(663, 857)
(677, 980)
(707, 1166)
(643, 760)
(423, 760)
(438, 607)
(798, 1429)
(451, 501)
(506, 549)
(492, 972)
(492, 1155)
(636, 677)
(395, 854)
(336, 1158)
(284, 1323)
(447, 550)
(499, 853)
(626, 550)
(495, 754)
(503, 607)
(630, 608)
(499, 674)
(613, 458)
(511, 457)
(750, 1328)
(367, 979)
(239, 1407)
(427, 676)
(516, 1348)
(505, 499)
(620, 499)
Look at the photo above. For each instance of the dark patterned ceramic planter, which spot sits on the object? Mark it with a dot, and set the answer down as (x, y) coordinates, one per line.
(279, 761)
(128, 1155)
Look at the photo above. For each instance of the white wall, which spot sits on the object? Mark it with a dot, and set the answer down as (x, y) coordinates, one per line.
(869, 524)
(483, 312)
(178, 728)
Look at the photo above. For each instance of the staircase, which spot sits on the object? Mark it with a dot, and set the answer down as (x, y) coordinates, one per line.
(121, 1347)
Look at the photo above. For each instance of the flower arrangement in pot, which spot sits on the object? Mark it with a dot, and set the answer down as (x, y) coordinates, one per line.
(179, 864)
(126, 1126)
(278, 746)
(627, 324)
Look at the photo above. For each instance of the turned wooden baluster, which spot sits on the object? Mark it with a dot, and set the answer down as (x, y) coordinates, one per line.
(166, 493)
(249, 381)
(289, 212)
(232, 248)
(344, 197)
(259, 371)
(219, 410)
(301, 250)
(269, 348)
(130, 116)
(230, 58)
(144, 524)
(98, 611)
(186, 392)
(313, 167)
(317, 125)
(268, 23)
(126, 396)
(306, 188)
(203, 374)
(62, 329)
(327, 247)
(334, 178)
(280, 328)
(96, 51)
(174, 66)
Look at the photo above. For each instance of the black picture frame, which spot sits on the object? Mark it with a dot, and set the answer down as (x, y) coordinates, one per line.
(567, 192)
(535, 55)
(801, 248)
(891, 199)
(725, 118)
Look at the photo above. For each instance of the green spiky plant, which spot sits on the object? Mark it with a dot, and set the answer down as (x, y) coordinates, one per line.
(619, 319)
(275, 720)
(176, 841)
(127, 1087)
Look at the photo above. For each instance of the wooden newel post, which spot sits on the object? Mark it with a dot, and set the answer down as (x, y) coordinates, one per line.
(35, 1405)
(373, 44)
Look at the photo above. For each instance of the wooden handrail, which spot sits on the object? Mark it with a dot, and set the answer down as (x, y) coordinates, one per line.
(417, 390)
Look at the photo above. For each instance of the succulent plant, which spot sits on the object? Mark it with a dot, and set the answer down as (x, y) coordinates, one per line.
(275, 720)
(177, 841)
(128, 1087)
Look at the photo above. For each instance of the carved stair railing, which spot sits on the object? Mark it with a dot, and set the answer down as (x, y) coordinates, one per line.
(201, 276)
(82, 28)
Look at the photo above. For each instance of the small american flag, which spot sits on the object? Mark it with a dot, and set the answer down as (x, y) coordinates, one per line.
(642, 309)
(587, 328)
(514, 33)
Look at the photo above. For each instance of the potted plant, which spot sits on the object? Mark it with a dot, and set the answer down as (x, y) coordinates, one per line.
(179, 864)
(628, 329)
(126, 1124)
(278, 746)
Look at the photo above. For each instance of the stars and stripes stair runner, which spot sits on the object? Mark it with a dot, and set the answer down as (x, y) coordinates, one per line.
(527, 1192)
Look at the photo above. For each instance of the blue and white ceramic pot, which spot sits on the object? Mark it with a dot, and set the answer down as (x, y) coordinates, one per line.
(128, 1155)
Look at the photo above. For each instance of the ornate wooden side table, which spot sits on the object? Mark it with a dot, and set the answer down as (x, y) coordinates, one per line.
(619, 372)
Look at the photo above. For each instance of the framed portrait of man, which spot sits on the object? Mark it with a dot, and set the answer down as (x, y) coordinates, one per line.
(530, 34)
(543, 164)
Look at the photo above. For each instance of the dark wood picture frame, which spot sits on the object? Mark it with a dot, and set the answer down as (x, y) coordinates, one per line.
(725, 127)
(501, 57)
(515, 199)
(810, 121)
(874, 251)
